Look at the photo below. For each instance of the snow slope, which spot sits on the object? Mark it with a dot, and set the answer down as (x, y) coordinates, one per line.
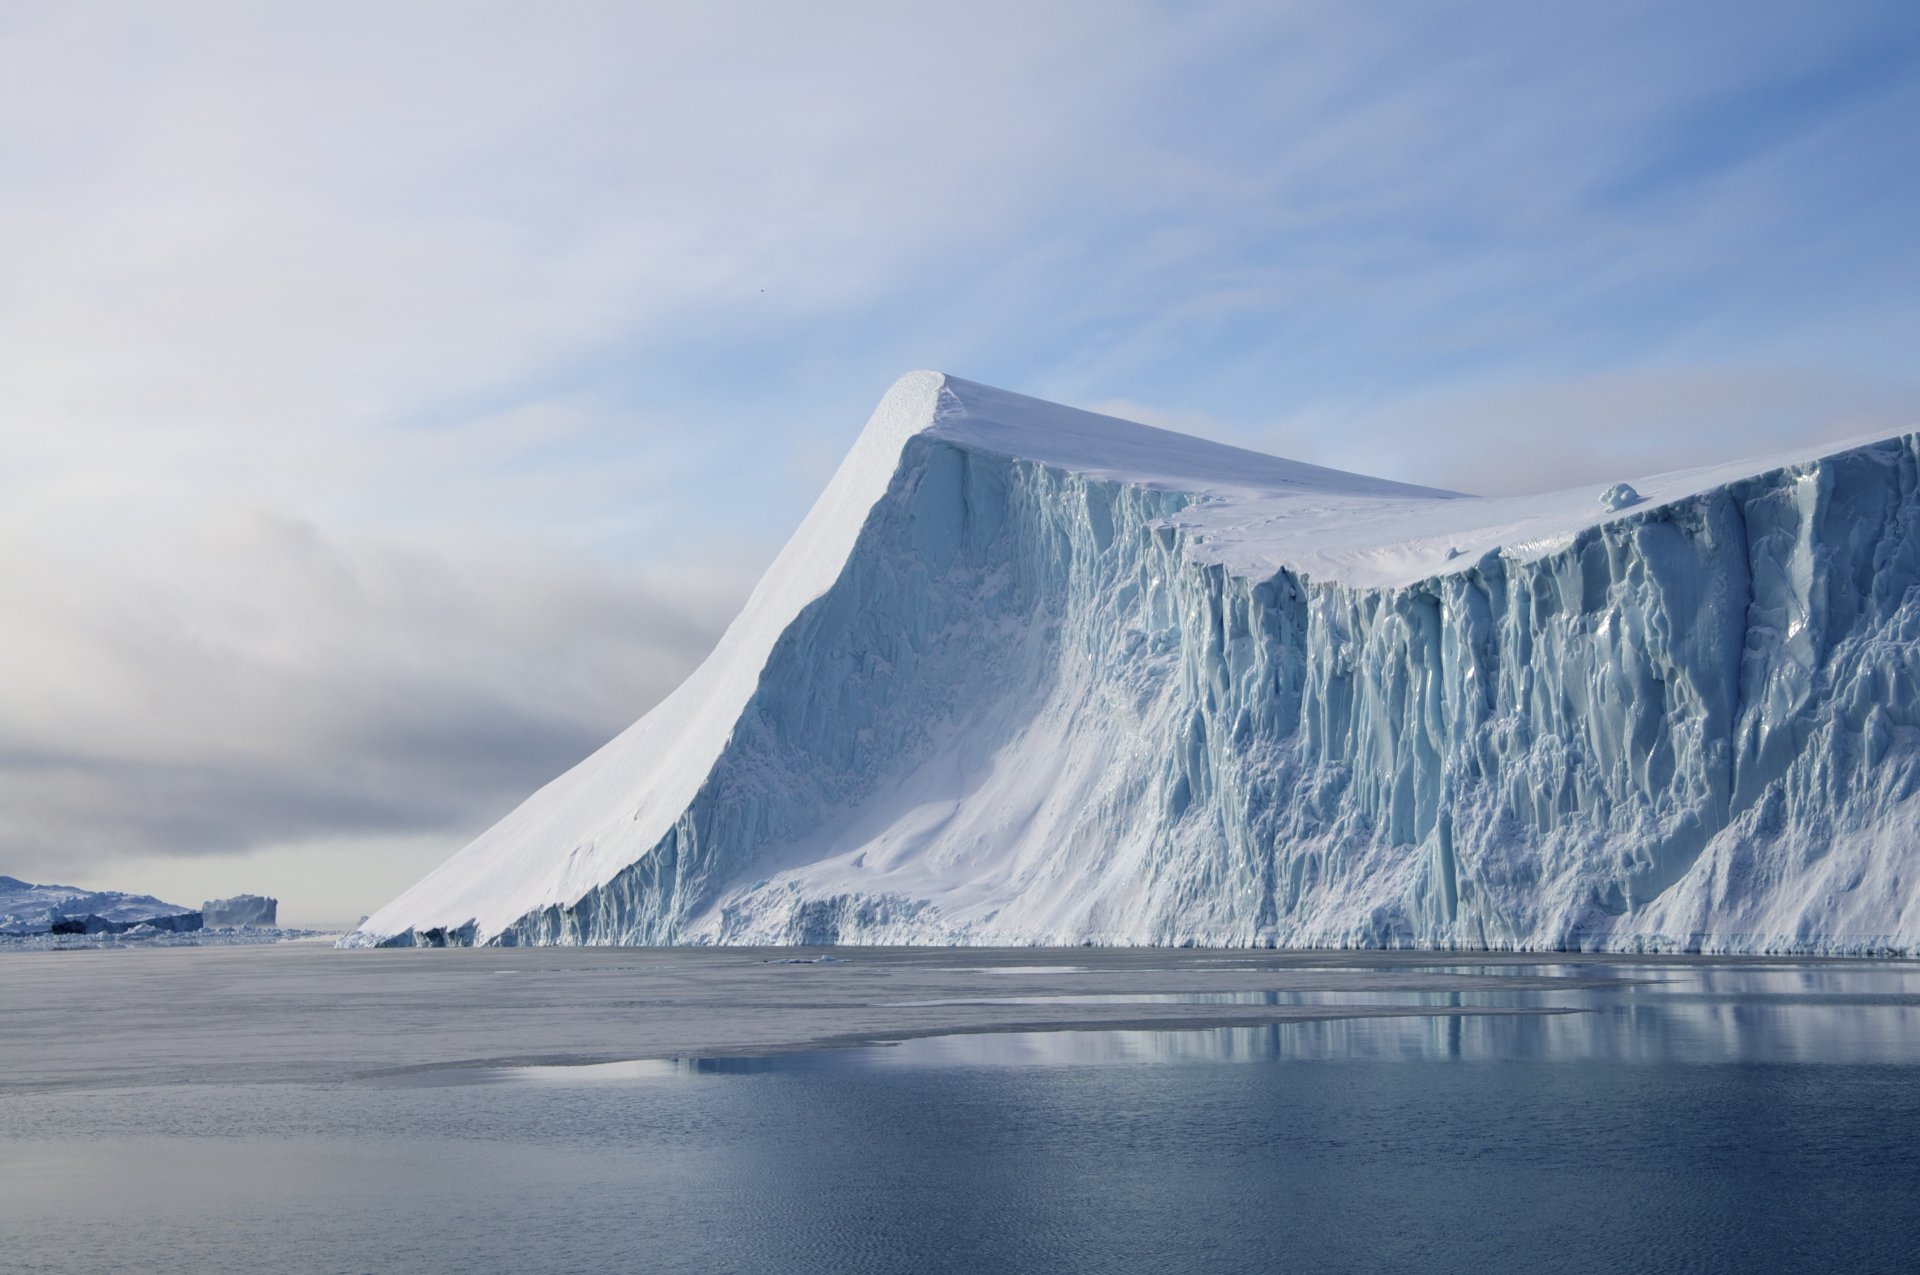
(1028, 674)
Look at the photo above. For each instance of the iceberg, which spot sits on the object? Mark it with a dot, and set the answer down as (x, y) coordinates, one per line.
(27, 909)
(1031, 675)
(254, 911)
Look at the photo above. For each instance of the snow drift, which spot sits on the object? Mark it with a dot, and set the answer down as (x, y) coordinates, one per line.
(1031, 675)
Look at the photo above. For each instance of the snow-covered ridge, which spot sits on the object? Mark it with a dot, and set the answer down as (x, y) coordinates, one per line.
(1031, 674)
(27, 909)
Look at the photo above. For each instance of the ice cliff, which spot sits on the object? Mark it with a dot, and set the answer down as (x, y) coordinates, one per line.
(1030, 675)
(255, 910)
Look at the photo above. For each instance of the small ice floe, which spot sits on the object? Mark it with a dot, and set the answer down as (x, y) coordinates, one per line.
(806, 960)
(1619, 496)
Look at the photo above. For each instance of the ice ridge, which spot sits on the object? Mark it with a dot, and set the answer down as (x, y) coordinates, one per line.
(1031, 675)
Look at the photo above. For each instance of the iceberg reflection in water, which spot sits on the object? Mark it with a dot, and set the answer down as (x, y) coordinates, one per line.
(1823, 1013)
(1643, 1115)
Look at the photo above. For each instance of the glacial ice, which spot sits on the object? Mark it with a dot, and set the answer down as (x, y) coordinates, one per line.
(1030, 675)
(254, 910)
(29, 909)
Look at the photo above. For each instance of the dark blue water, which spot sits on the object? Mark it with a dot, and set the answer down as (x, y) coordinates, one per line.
(1715, 1121)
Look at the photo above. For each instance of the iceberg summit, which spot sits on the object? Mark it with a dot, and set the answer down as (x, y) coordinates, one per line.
(1030, 675)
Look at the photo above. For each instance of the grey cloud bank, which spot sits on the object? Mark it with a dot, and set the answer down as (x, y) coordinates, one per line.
(282, 687)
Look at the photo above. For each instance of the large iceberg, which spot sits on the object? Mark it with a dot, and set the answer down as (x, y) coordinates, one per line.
(27, 909)
(1032, 675)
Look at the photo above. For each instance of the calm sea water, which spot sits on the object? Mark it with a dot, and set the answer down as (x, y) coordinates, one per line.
(1718, 1118)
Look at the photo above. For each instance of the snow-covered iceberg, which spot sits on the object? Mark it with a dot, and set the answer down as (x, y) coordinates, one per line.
(28, 909)
(1032, 675)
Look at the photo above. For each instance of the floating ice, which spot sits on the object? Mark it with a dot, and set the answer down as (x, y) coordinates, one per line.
(27, 909)
(1031, 675)
(258, 911)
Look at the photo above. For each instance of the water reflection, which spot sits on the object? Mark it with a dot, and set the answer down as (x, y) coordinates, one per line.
(1571, 1141)
(1342, 999)
(1014, 969)
(1639, 1013)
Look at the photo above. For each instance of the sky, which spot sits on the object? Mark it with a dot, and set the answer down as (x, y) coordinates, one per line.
(397, 399)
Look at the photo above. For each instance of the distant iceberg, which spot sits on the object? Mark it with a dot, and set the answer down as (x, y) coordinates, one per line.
(1032, 675)
(28, 909)
(253, 910)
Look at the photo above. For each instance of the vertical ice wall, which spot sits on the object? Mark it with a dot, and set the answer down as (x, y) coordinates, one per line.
(1026, 712)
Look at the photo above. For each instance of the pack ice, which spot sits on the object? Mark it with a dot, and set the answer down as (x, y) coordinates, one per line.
(1031, 675)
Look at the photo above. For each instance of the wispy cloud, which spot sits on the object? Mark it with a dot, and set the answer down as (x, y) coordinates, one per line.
(1511, 437)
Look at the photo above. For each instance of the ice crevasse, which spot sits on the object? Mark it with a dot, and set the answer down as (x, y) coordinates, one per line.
(1030, 675)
